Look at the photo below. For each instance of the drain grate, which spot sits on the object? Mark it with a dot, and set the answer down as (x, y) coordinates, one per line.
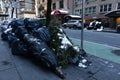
(117, 52)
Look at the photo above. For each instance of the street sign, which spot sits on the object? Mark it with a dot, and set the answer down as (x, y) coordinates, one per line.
(16, 4)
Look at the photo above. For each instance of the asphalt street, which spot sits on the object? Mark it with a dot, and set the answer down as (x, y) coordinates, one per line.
(110, 38)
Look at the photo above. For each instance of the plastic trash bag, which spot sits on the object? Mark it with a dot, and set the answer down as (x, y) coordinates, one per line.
(11, 38)
(20, 31)
(41, 51)
(6, 33)
(43, 34)
(4, 36)
(32, 24)
(19, 22)
(19, 48)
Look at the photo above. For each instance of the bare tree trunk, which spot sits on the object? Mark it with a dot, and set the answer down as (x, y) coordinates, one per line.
(49, 2)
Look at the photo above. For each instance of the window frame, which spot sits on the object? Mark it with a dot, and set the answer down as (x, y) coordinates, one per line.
(118, 5)
(105, 8)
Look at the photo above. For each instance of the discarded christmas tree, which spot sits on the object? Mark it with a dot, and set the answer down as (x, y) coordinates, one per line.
(62, 46)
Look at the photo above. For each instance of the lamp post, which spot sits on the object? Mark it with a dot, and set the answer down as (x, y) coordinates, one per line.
(81, 45)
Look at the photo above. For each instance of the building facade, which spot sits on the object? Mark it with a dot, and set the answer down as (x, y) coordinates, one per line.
(96, 9)
(26, 9)
(62, 5)
(3, 15)
(40, 7)
(22, 8)
(1, 7)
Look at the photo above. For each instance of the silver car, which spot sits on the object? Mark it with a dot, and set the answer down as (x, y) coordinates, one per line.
(76, 24)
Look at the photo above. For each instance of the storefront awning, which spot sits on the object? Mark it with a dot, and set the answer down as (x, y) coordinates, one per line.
(57, 12)
(115, 13)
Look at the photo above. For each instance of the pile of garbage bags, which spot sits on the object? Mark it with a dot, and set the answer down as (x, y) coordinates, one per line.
(29, 37)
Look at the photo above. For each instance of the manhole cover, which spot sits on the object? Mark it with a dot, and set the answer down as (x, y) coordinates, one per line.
(117, 52)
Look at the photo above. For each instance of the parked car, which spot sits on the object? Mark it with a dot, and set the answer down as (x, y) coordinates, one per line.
(76, 24)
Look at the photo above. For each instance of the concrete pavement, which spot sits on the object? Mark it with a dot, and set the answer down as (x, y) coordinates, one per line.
(100, 50)
(18, 68)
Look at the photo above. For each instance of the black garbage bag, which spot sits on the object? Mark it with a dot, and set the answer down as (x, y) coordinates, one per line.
(19, 48)
(11, 38)
(41, 51)
(6, 33)
(32, 24)
(43, 34)
(27, 44)
(20, 31)
(4, 36)
(14, 24)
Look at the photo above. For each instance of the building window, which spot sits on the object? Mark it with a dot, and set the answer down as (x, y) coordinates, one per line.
(101, 8)
(86, 10)
(61, 4)
(103, 0)
(80, 11)
(54, 6)
(90, 10)
(109, 7)
(77, 12)
(77, 2)
(105, 8)
(94, 10)
(118, 7)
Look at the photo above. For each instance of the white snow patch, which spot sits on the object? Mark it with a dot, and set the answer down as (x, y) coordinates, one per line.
(60, 35)
(84, 61)
(76, 48)
(100, 29)
(82, 65)
(66, 41)
(61, 30)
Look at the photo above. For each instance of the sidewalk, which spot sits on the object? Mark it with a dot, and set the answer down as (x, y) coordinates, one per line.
(100, 50)
(18, 68)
